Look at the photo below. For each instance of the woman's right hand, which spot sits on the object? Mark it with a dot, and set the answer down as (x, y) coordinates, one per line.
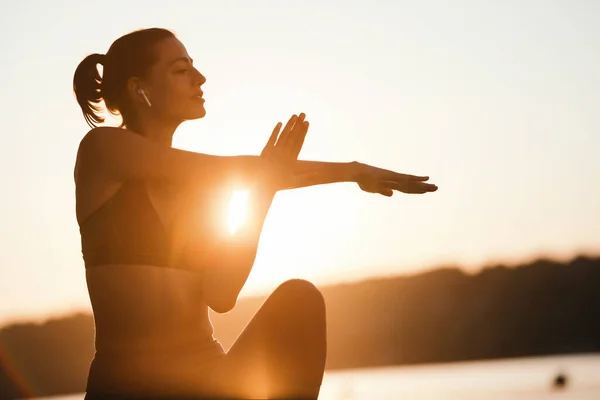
(282, 151)
(382, 181)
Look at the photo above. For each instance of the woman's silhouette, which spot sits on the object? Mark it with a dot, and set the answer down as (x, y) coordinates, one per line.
(154, 255)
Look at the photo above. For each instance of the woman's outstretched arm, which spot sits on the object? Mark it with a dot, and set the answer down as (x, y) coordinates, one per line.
(324, 172)
(116, 154)
(228, 260)
(369, 178)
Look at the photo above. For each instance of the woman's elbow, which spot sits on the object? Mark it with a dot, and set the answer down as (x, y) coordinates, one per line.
(219, 301)
(222, 306)
(222, 287)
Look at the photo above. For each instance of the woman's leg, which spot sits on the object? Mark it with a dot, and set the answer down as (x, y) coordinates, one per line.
(281, 352)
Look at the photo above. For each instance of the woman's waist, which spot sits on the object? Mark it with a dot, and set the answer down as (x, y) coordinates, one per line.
(152, 371)
(145, 307)
(145, 287)
(149, 348)
(160, 256)
(134, 341)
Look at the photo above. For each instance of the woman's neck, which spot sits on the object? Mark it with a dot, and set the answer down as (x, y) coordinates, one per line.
(160, 131)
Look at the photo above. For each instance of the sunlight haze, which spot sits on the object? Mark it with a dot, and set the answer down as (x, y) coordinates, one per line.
(496, 101)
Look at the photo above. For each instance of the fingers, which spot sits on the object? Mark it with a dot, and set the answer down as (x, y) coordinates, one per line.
(387, 175)
(274, 135)
(386, 192)
(387, 188)
(285, 136)
(410, 187)
(292, 137)
(383, 181)
(271, 142)
(299, 139)
(276, 130)
(297, 135)
(391, 175)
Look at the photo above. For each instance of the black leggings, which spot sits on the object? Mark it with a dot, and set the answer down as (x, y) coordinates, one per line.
(280, 354)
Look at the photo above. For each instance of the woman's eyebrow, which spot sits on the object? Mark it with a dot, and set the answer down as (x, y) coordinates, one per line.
(182, 59)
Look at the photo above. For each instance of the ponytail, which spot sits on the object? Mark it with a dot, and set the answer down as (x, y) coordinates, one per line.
(131, 55)
(87, 85)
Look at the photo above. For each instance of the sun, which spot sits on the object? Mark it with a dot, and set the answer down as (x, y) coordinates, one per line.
(237, 210)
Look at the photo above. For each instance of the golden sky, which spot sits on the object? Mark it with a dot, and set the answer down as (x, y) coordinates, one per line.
(496, 101)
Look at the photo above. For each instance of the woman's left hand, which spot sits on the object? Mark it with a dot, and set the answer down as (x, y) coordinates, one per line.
(282, 150)
(287, 145)
(377, 180)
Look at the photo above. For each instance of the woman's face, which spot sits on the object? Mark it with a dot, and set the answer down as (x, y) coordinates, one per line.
(174, 88)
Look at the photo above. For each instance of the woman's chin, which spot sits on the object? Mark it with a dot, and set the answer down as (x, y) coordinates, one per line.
(197, 113)
(201, 113)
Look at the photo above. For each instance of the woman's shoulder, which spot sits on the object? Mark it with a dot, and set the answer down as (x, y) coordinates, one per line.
(94, 139)
(97, 144)
(102, 133)
(92, 188)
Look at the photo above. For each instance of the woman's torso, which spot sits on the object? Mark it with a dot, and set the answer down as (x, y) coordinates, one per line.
(152, 324)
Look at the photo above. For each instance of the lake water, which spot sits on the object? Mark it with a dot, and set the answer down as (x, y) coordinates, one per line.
(516, 379)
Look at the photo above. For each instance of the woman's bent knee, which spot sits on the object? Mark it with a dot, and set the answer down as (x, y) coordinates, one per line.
(301, 290)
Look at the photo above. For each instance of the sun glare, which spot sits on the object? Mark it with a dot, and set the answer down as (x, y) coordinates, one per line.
(238, 204)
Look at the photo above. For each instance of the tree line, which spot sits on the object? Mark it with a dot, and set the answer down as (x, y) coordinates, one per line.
(541, 308)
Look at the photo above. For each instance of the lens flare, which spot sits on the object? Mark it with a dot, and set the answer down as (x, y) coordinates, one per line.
(238, 208)
(11, 369)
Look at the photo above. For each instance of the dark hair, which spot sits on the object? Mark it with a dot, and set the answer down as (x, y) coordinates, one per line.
(131, 55)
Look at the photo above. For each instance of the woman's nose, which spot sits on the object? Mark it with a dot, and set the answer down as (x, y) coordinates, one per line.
(200, 79)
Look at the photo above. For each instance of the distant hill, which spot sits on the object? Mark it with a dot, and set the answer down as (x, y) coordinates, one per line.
(445, 315)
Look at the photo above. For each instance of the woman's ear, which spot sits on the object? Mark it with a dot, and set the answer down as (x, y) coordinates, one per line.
(136, 92)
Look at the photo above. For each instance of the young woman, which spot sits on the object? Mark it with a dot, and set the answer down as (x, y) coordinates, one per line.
(155, 258)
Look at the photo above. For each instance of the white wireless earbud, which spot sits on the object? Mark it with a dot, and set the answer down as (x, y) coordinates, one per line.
(141, 91)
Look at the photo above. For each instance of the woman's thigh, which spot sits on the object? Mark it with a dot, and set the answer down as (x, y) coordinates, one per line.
(281, 352)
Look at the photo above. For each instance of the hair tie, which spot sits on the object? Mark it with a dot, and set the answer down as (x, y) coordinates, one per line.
(101, 58)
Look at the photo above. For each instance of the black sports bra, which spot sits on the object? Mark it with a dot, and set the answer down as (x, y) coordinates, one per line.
(128, 230)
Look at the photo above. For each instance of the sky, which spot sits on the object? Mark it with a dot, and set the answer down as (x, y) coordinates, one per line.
(495, 101)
